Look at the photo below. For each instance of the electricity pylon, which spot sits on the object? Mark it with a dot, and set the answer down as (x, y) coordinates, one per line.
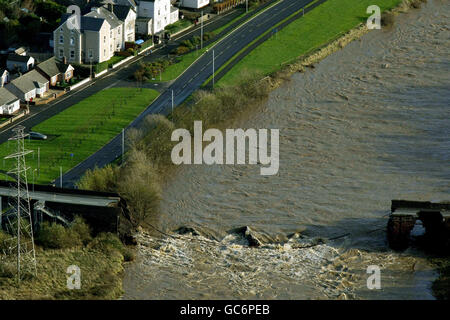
(22, 243)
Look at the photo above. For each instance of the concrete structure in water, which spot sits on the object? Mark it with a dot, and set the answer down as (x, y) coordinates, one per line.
(435, 218)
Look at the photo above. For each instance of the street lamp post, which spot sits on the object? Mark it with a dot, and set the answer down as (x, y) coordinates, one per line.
(90, 67)
(201, 32)
(123, 143)
(172, 102)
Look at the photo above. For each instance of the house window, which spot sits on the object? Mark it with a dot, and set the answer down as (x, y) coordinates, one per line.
(61, 53)
(104, 39)
(159, 12)
(61, 39)
(110, 34)
(119, 30)
(72, 54)
(90, 53)
(104, 52)
(72, 41)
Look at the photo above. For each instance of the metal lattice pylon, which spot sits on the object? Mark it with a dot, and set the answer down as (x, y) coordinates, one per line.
(22, 242)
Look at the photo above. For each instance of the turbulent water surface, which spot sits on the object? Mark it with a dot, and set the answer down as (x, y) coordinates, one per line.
(369, 124)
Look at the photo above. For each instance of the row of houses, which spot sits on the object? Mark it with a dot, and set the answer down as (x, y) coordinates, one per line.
(31, 85)
(105, 29)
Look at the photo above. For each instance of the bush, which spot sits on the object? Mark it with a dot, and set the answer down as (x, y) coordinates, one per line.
(99, 67)
(104, 179)
(182, 50)
(55, 236)
(81, 229)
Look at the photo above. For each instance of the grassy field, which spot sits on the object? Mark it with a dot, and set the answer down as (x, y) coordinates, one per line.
(316, 28)
(79, 131)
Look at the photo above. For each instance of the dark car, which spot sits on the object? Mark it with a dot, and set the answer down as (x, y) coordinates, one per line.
(37, 136)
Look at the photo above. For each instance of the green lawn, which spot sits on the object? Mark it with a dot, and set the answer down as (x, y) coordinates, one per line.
(316, 28)
(81, 130)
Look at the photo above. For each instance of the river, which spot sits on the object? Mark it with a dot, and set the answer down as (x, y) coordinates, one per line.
(368, 124)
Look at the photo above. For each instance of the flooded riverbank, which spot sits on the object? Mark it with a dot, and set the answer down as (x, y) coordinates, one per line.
(369, 124)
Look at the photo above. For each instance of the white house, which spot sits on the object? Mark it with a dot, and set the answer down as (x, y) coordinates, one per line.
(19, 62)
(101, 34)
(29, 86)
(9, 103)
(195, 4)
(160, 12)
(128, 15)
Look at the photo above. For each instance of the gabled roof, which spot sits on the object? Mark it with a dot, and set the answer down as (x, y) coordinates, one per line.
(6, 97)
(122, 12)
(102, 13)
(91, 23)
(52, 67)
(87, 23)
(18, 58)
(29, 81)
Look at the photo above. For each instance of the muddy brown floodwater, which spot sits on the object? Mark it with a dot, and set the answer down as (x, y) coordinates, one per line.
(369, 124)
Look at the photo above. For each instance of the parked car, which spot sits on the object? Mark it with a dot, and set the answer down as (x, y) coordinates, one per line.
(37, 136)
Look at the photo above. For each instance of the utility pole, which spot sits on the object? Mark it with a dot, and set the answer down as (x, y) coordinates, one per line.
(246, 5)
(213, 69)
(39, 160)
(20, 202)
(172, 102)
(90, 67)
(201, 32)
(123, 143)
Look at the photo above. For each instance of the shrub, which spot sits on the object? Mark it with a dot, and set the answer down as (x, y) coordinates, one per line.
(100, 67)
(104, 179)
(55, 236)
(182, 50)
(107, 240)
(140, 187)
(83, 230)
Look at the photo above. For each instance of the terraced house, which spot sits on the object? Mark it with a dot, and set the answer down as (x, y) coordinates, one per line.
(101, 33)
